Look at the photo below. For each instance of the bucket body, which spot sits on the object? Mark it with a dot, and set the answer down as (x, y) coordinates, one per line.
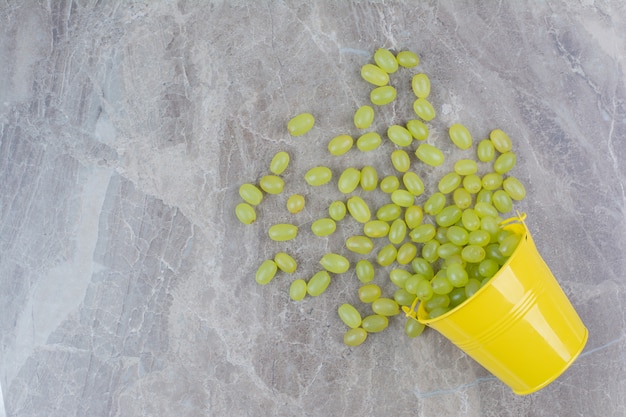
(520, 326)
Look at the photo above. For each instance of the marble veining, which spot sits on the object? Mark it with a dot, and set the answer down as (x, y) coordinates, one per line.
(127, 283)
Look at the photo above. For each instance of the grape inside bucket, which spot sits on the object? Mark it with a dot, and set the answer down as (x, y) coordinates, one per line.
(520, 325)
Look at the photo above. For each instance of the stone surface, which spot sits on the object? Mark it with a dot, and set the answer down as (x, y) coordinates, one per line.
(127, 283)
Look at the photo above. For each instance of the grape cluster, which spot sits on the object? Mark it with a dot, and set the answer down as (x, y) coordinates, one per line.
(446, 248)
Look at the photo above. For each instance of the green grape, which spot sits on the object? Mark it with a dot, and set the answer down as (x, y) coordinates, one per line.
(385, 307)
(448, 249)
(354, 337)
(457, 235)
(479, 238)
(429, 155)
(493, 252)
(337, 210)
(460, 136)
(364, 271)
(335, 263)
(399, 277)
(387, 255)
(245, 213)
(418, 129)
(454, 259)
(429, 250)
(435, 203)
(457, 296)
(472, 271)
(411, 283)
(386, 60)
(449, 182)
(295, 203)
(368, 141)
(300, 124)
(442, 234)
(250, 194)
(376, 228)
(472, 286)
(462, 198)
(369, 293)
(403, 297)
(470, 220)
(359, 244)
(375, 323)
(323, 227)
(423, 268)
(399, 135)
(424, 290)
(413, 216)
(272, 184)
(448, 216)
(374, 75)
(400, 160)
(465, 167)
(369, 178)
(340, 145)
(389, 212)
(500, 141)
(472, 183)
(508, 245)
(413, 328)
(436, 312)
(407, 59)
(283, 232)
(423, 233)
(381, 96)
(424, 109)
(485, 209)
(406, 253)
(285, 262)
(349, 180)
(488, 268)
(490, 225)
(420, 84)
(502, 201)
(363, 117)
(437, 301)
(266, 272)
(318, 176)
(485, 150)
(473, 253)
(397, 231)
(492, 181)
(389, 184)
(349, 315)
(505, 162)
(514, 188)
(485, 196)
(457, 275)
(318, 283)
(279, 163)
(358, 209)
(413, 183)
(402, 198)
(297, 289)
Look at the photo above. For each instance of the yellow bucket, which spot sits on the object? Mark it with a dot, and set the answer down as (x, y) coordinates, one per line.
(520, 326)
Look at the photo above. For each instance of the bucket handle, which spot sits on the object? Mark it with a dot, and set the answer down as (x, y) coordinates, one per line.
(515, 219)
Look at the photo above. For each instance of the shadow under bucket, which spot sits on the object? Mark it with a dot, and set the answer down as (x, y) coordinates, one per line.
(520, 326)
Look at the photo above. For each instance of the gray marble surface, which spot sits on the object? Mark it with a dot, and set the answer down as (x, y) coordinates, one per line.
(127, 283)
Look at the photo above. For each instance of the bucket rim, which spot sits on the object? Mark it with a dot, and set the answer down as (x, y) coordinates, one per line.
(517, 220)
